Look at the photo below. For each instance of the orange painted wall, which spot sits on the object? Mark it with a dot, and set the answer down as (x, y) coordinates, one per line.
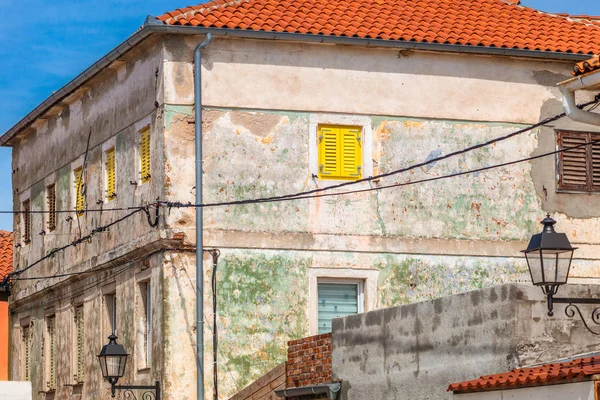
(3, 340)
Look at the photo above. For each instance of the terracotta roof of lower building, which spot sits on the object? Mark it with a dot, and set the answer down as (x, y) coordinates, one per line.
(548, 374)
(6, 253)
(586, 66)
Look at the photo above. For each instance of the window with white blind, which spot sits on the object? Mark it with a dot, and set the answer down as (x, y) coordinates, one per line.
(579, 168)
(144, 332)
(338, 299)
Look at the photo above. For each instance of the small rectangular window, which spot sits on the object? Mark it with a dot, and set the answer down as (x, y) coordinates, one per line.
(51, 352)
(145, 325)
(79, 372)
(110, 173)
(110, 301)
(51, 207)
(579, 169)
(79, 191)
(337, 300)
(26, 208)
(26, 352)
(340, 152)
(145, 155)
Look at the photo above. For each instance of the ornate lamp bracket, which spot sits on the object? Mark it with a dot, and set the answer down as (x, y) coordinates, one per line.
(572, 308)
(149, 392)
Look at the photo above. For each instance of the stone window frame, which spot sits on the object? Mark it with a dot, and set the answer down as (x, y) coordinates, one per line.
(25, 327)
(109, 316)
(368, 277)
(138, 127)
(143, 361)
(360, 121)
(75, 164)
(25, 218)
(109, 144)
(76, 303)
(50, 313)
(49, 181)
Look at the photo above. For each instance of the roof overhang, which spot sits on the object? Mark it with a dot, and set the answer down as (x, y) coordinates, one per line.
(153, 25)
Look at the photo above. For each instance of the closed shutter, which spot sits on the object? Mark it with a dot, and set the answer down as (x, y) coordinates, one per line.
(111, 184)
(579, 168)
(51, 203)
(336, 300)
(79, 330)
(27, 221)
(27, 351)
(145, 155)
(79, 191)
(340, 152)
(52, 353)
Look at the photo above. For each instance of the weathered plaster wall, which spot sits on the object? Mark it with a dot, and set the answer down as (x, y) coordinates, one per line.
(116, 104)
(90, 293)
(415, 351)
(275, 75)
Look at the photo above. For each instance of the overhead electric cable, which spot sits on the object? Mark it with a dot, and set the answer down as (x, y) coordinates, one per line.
(371, 189)
(414, 166)
(595, 102)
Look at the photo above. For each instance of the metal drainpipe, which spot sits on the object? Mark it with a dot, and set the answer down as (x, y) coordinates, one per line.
(199, 225)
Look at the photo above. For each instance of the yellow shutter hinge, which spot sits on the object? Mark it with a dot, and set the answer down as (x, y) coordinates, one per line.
(357, 172)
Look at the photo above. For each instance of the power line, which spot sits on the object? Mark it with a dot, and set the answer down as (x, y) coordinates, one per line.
(307, 193)
(594, 102)
(318, 195)
(80, 240)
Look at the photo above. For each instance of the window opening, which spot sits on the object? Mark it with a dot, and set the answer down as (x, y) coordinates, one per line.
(79, 345)
(337, 300)
(340, 152)
(110, 167)
(145, 155)
(51, 327)
(51, 204)
(27, 221)
(579, 169)
(79, 191)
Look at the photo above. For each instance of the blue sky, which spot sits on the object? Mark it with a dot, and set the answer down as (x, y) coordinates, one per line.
(44, 44)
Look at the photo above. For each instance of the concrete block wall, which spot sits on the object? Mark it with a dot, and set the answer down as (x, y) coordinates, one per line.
(309, 361)
(415, 351)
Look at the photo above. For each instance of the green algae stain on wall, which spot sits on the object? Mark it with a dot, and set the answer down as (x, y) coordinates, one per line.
(262, 298)
(409, 279)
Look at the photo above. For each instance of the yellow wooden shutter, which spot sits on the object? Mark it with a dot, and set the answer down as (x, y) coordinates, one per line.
(145, 155)
(79, 197)
(351, 153)
(340, 152)
(111, 184)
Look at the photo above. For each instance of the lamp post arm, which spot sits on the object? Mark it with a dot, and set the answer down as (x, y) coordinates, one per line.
(155, 387)
(572, 308)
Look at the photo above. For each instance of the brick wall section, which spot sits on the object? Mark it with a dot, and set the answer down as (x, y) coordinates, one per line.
(309, 361)
(264, 387)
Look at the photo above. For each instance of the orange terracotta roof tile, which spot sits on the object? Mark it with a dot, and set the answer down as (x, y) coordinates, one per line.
(593, 64)
(491, 23)
(547, 374)
(6, 253)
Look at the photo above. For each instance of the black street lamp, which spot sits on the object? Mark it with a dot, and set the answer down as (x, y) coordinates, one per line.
(113, 359)
(549, 255)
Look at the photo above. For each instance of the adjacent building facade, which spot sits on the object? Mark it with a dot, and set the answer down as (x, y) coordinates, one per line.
(291, 103)
(6, 254)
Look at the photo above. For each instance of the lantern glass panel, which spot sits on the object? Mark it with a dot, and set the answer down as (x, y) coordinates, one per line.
(549, 266)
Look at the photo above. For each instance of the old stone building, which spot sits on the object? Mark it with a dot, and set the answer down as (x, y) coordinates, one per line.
(296, 96)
